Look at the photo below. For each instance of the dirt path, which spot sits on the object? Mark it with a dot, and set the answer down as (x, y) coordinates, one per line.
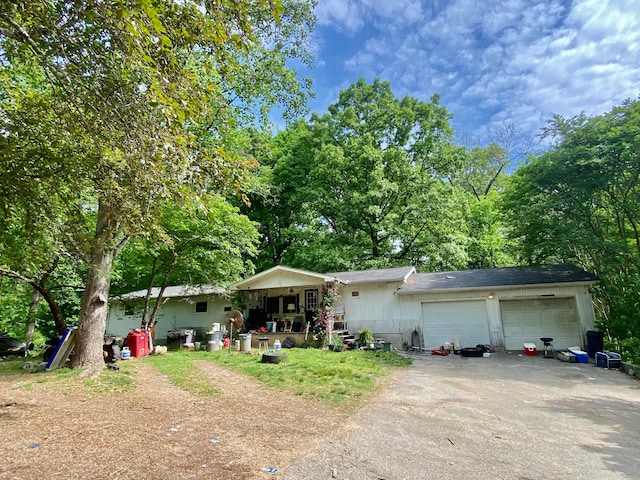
(156, 431)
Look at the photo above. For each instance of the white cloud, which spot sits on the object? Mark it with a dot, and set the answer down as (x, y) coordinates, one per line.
(497, 60)
(340, 14)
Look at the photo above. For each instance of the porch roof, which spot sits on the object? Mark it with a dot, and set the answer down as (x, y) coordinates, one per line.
(282, 277)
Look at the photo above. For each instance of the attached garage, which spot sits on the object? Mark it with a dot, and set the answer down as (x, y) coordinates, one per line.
(528, 320)
(465, 320)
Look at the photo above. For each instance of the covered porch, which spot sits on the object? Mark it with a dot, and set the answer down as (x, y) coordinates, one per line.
(285, 300)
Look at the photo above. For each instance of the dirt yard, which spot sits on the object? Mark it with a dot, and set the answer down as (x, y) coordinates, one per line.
(157, 431)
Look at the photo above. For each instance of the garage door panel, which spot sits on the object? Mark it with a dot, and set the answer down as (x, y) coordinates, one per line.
(466, 321)
(528, 320)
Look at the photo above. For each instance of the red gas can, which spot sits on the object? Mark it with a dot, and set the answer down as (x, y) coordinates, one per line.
(138, 343)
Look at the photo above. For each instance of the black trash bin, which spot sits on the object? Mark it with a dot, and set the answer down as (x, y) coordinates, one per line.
(595, 342)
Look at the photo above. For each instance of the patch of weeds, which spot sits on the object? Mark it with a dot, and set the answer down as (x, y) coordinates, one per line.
(183, 373)
(12, 367)
(110, 381)
(341, 379)
(66, 380)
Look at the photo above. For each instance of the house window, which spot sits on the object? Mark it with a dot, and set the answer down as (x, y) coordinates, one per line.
(273, 304)
(201, 307)
(355, 293)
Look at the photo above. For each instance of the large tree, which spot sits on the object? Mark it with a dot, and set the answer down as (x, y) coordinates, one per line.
(145, 98)
(208, 243)
(362, 187)
(580, 202)
(479, 177)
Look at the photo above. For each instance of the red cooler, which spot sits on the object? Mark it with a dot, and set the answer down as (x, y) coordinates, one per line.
(530, 349)
(138, 343)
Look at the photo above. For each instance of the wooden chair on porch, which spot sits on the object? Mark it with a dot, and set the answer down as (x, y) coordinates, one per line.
(288, 324)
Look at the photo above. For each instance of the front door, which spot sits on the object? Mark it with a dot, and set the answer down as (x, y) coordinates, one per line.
(310, 305)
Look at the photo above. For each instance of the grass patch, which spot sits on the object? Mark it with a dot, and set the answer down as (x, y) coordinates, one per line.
(12, 367)
(182, 373)
(341, 379)
(338, 378)
(66, 380)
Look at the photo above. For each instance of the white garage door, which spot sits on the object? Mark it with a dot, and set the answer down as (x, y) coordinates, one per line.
(528, 320)
(466, 321)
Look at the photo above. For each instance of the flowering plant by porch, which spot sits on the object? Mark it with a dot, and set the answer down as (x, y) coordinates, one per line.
(329, 297)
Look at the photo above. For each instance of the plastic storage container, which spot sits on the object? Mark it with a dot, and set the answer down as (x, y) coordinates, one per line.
(530, 349)
(581, 356)
(138, 343)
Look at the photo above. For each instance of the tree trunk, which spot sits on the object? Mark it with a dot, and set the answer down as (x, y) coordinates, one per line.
(61, 325)
(93, 312)
(31, 317)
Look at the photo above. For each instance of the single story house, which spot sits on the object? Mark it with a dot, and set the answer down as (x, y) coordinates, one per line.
(183, 308)
(504, 307)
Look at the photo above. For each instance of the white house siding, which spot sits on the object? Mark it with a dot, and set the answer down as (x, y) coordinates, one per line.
(282, 279)
(175, 314)
(409, 308)
(379, 309)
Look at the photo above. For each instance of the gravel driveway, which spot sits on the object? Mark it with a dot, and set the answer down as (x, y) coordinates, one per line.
(504, 417)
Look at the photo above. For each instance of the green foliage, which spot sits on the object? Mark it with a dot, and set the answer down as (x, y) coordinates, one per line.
(365, 336)
(113, 111)
(630, 349)
(14, 300)
(361, 186)
(580, 202)
(205, 242)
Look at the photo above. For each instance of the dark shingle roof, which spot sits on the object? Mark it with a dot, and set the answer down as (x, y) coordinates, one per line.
(398, 274)
(496, 278)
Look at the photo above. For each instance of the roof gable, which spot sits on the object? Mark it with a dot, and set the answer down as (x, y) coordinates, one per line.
(497, 278)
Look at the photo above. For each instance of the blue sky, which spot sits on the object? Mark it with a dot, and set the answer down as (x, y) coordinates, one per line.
(491, 61)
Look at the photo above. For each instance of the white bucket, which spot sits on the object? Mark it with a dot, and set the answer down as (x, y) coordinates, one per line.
(216, 327)
(197, 346)
(246, 342)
